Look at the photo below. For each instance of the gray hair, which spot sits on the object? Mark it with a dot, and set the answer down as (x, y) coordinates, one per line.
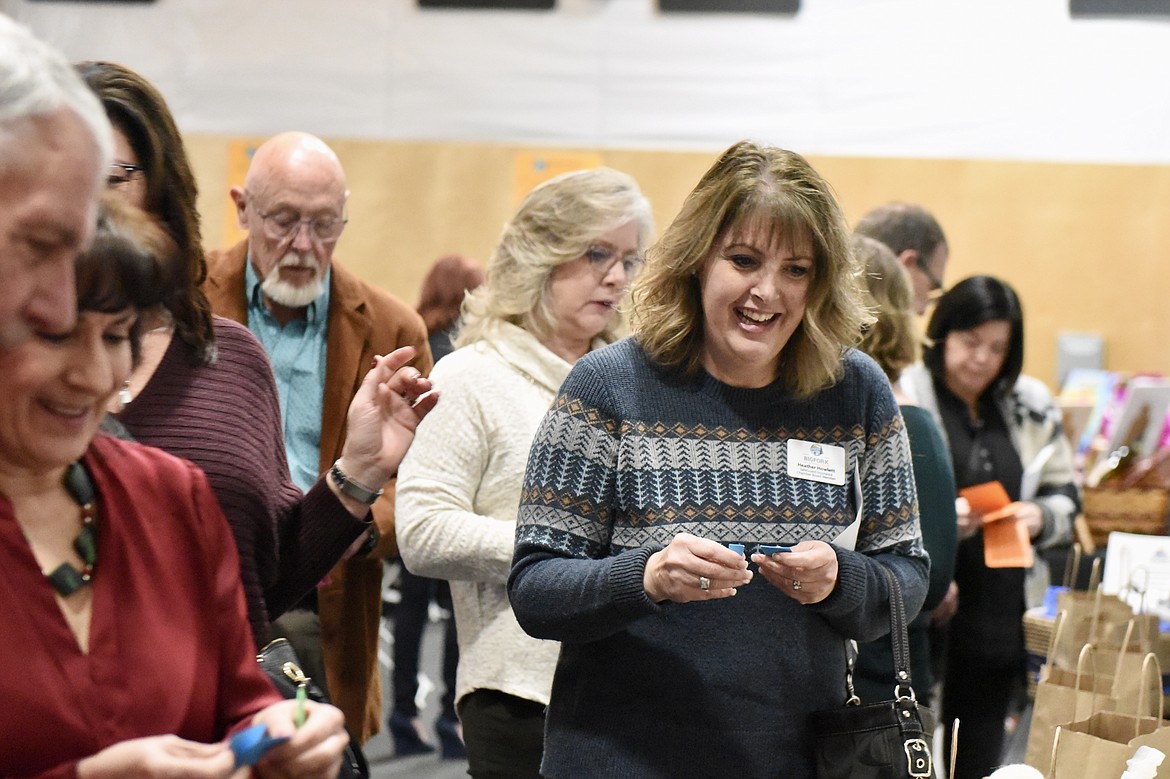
(902, 227)
(36, 79)
(554, 225)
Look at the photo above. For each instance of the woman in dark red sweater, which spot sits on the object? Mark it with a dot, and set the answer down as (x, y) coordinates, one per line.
(204, 389)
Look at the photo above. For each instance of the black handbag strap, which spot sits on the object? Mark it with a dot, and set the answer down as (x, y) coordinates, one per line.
(914, 740)
(899, 636)
(899, 639)
(906, 713)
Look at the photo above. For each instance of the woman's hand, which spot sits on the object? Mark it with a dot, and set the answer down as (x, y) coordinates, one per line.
(807, 574)
(678, 572)
(1031, 515)
(944, 611)
(970, 521)
(382, 418)
(313, 750)
(159, 756)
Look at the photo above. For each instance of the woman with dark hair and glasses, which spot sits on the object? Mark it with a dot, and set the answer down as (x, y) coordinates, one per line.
(204, 390)
(997, 423)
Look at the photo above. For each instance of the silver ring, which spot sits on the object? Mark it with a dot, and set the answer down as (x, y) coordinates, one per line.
(704, 583)
(796, 585)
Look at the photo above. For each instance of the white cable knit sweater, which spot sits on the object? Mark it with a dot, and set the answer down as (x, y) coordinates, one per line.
(458, 494)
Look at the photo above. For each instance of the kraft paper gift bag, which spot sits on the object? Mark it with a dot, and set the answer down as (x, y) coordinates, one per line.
(1098, 747)
(1064, 696)
(1125, 663)
(1090, 601)
(1091, 616)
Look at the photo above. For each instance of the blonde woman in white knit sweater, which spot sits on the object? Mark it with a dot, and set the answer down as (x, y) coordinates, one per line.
(553, 289)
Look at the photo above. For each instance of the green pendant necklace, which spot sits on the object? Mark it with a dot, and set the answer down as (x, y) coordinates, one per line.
(66, 579)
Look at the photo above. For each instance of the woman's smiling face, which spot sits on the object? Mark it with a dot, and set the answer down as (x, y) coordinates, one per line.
(57, 387)
(753, 286)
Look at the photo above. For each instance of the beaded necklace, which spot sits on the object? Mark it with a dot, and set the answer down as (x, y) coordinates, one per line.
(66, 579)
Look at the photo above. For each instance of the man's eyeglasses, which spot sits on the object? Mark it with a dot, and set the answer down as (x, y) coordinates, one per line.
(282, 225)
(936, 285)
(602, 258)
(121, 174)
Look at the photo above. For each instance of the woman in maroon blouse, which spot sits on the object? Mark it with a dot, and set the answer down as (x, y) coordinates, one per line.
(124, 635)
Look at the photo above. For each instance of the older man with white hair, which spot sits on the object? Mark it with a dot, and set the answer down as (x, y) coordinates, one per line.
(55, 152)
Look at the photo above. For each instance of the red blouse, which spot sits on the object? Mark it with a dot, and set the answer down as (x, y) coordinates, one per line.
(170, 649)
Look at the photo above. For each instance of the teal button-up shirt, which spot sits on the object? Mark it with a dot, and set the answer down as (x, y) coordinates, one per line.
(297, 353)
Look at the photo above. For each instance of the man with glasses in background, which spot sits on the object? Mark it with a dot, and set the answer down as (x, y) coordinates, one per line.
(55, 150)
(322, 327)
(917, 240)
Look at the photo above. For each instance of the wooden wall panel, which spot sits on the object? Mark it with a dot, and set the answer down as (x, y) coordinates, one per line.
(1084, 245)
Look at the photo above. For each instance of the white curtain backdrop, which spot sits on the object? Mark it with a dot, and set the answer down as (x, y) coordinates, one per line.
(970, 79)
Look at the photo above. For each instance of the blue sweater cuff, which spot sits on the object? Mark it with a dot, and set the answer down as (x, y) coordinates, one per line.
(626, 579)
(849, 594)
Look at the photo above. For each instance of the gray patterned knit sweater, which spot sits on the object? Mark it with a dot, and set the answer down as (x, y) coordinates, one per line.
(628, 456)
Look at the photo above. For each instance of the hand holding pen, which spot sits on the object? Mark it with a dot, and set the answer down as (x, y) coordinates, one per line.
(316, 739)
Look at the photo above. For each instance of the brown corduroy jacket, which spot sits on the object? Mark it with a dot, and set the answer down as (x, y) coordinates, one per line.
(363, 322)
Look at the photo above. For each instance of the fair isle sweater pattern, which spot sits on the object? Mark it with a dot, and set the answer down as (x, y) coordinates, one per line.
(666, 478)
(630, 455)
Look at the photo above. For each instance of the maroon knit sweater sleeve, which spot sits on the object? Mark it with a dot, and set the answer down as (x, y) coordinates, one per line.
(225, 418)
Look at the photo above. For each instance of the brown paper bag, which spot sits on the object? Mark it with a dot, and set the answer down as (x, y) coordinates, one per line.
(1139, 634)
(1125, 662)
(1064, 696)
(1098, 747)
(1091, 615)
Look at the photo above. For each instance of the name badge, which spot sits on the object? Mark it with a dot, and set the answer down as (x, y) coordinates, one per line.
(816, 462)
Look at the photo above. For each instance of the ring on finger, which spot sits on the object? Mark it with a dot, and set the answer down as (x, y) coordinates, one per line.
(796, 585)
(704, 583)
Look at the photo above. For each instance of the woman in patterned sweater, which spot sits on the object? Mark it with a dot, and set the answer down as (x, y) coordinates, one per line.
(736, 414)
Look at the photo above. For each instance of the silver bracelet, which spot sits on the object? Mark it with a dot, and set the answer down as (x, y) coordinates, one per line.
(353, 489)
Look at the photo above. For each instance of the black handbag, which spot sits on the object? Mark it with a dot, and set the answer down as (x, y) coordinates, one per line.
(887, 740)
(278, 660)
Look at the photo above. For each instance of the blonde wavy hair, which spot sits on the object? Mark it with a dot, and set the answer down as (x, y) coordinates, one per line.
(750, 181)
(893, 340)
(555, 224)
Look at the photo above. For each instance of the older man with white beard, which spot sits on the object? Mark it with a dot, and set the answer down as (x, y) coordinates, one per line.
(321, 327)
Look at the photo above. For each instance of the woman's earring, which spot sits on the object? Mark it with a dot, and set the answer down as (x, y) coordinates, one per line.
(124, 394)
